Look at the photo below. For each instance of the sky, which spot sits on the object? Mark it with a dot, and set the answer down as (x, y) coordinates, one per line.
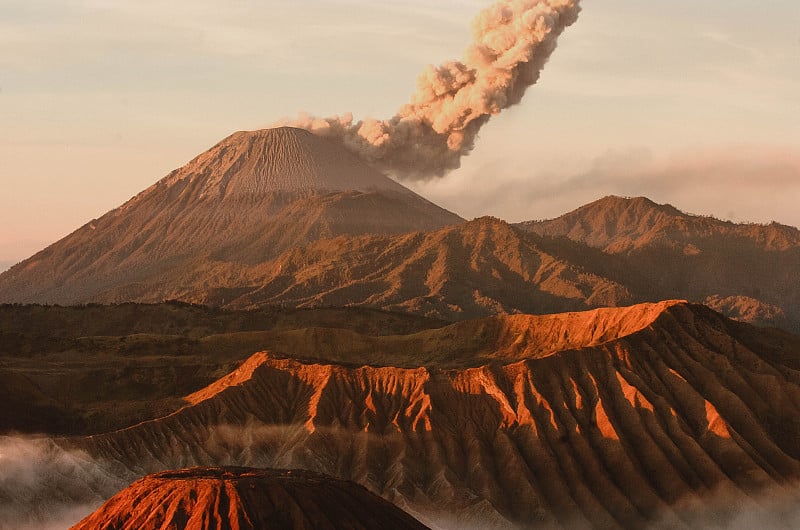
(695, 103)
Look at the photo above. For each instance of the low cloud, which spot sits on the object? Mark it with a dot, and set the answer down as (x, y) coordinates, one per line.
(775, 509)
(43, 486)
(46, 487)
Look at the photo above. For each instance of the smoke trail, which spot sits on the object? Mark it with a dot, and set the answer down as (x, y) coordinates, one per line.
(512, 41)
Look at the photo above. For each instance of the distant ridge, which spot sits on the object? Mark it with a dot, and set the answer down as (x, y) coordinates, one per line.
(626, 224)
(282, 217)
(470, 270)
(749, 271)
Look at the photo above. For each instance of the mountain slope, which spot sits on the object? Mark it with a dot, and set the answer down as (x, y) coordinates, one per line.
(670, 417)
(245, 200)
(623, 225)
(750, 271)
(246, 499)
(474, 269)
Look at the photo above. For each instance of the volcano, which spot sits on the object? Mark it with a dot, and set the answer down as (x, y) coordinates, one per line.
(620, 417)
(281, 217)
(238, 205)
(246, 499)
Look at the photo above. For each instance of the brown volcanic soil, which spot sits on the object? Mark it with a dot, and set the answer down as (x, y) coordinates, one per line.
(38, 329)
(623, 421)
(480, 268)
(750, 271)
(242, 499)
(25, 408)
(244, 201)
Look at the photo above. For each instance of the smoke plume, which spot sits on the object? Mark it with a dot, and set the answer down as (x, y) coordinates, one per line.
(512, 41)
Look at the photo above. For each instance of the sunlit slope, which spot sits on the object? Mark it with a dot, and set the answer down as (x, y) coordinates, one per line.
(677, 407)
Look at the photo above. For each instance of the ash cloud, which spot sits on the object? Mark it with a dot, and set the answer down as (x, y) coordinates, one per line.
(512, 41)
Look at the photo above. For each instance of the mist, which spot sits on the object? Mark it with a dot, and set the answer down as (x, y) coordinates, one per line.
(512, 42)
(44, 486)
(773, 509)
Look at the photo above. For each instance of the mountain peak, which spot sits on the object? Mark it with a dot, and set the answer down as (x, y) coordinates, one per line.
(283, 159)
(616, 205)
(624, 224)
(612, 223)
(244, 201)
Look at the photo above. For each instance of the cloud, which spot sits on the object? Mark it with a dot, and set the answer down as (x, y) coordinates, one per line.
(43, 486)
(777, 508)
(726, 40)
(744, 183)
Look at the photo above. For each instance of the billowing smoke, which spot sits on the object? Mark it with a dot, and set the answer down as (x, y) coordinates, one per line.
(513, 39)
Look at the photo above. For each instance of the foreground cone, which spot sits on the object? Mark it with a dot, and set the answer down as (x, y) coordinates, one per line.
(242, 499)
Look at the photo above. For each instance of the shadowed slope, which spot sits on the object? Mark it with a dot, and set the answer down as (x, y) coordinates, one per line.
(27, 409)
(476, 269)
(244, 201)
(246, 499)
(617, 431)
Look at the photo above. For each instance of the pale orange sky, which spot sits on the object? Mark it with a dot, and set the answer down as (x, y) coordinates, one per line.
(690, 102)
